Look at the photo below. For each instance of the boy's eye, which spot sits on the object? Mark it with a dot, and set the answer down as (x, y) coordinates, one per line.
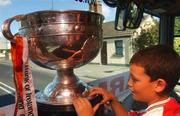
(133, 78)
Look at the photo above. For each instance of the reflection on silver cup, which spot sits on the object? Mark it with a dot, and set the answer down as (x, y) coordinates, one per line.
(60, 40)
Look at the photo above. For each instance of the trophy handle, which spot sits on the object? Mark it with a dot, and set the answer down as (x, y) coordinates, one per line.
(6, 31)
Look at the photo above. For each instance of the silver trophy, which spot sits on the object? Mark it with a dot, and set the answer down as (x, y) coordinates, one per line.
(60, 40)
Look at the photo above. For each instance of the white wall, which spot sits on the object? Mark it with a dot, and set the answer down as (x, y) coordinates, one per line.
(5, 44)
(111, 59)
(97, 59)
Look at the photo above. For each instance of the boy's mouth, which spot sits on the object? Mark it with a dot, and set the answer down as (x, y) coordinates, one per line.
(132, 92)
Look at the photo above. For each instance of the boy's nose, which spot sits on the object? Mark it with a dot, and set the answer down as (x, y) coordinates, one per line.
(130, 83)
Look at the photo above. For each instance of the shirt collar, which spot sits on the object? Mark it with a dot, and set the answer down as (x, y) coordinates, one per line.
(157, 104)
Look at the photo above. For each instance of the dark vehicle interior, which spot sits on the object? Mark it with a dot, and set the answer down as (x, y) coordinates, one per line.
(129, 14)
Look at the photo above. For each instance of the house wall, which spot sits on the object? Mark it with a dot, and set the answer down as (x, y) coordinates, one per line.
(4, 45)
(111, 57)
(97, 59)
(127, 46)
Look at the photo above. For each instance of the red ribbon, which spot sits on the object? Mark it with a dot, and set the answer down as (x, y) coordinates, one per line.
(25, 96)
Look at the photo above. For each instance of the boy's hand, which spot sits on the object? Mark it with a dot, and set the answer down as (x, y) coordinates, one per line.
(83, 107)
(107, 96)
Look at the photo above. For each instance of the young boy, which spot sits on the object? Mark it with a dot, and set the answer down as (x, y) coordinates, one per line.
(154, 72)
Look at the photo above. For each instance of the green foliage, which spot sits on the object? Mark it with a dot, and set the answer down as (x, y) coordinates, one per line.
(6, 50)
(177, 44)
(177, 26)
(147, 37)
(150, 36)
(177, 32)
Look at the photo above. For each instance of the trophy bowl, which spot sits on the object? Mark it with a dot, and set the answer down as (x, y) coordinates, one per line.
(62, 41)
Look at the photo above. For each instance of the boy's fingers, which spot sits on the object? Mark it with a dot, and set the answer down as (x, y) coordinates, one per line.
(86, 93)
(86, 102)
(96, 89)
(94, 93)
(76, 102)
(96, 107)
(79, 102)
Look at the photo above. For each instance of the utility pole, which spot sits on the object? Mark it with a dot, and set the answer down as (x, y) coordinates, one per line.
(6, 51)
(95, 6)
(52, 4)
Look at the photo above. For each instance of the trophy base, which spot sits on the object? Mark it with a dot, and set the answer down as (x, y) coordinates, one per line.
(66, 110)
(55, 110)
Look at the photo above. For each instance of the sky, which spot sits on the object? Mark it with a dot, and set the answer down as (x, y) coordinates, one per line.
(10, 8)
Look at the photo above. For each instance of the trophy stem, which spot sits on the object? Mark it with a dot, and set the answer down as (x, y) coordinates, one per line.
(67, 77)
(63, 89)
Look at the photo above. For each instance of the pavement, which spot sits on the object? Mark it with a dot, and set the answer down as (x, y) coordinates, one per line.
(87, 73)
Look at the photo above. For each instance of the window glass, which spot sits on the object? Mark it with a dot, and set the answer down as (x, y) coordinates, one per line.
(177, 34)
(108, 69)
(119, 47)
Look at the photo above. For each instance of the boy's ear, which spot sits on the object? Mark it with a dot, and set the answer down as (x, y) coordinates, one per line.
(160, 85)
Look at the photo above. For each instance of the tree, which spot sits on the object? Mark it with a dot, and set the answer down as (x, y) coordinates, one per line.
(147, 37)
(177, 26)
(177, 44)
(150, 36)
(177, 33)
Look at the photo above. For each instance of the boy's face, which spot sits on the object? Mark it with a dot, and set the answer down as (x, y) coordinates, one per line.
(140, 85)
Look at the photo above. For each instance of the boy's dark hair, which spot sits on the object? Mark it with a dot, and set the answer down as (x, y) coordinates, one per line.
(159, 61)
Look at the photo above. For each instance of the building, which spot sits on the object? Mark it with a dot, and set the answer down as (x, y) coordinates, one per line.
(117, 47)
(4, 45)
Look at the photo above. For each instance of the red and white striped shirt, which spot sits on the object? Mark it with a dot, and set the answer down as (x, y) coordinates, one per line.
(168, 107)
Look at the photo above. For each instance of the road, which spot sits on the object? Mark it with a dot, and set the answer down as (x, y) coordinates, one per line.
(42, 76)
